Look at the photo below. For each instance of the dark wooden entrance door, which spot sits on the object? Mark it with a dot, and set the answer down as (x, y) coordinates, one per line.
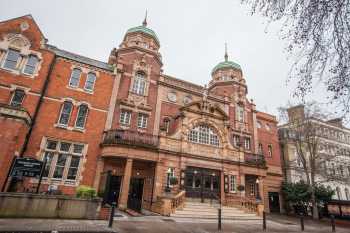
(274, 202)
(202, 183)
(114, 189)
(135, 194)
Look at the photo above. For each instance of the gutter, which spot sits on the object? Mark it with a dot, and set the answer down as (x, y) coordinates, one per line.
(43, 92)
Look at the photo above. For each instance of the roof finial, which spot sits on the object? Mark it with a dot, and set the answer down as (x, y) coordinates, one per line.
(144, 23)
(226, 56)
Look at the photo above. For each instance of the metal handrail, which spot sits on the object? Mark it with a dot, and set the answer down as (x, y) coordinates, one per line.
(129, 137)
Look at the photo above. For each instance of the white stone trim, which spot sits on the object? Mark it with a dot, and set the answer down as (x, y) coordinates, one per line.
(24, 50)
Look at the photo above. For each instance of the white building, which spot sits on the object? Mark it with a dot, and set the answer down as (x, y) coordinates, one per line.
(333, 150)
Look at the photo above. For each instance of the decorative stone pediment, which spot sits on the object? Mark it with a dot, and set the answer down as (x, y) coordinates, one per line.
(131, 103)
(204, 107)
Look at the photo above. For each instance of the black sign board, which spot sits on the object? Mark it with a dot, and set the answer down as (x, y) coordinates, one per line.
(26, 167)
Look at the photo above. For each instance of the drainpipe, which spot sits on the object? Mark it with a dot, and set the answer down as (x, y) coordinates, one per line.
(35, 115)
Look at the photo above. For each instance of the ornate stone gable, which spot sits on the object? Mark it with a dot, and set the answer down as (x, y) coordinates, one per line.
(204, 107)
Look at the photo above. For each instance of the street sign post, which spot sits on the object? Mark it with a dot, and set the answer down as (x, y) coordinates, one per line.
(26, 167)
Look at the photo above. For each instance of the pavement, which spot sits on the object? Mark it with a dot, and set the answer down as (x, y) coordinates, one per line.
(161, 224)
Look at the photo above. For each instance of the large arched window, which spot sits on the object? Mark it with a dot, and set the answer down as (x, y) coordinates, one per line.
(139, 85)
(203, 134)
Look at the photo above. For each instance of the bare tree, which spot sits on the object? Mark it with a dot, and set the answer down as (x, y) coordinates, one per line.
(316, 159)
(318, 36)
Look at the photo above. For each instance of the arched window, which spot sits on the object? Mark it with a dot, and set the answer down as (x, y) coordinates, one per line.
(338, 193)
(166, 123)
(240, 113)
(347, 194)
(66, 111)
(204, 135)
(90, 82)
(139, 85)
(75, 77)
(81, 117)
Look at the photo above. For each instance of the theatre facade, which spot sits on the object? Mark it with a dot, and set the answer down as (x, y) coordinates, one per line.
(158, 136)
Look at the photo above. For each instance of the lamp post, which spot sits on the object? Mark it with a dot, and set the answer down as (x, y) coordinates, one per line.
(257, 190)
(167, 188)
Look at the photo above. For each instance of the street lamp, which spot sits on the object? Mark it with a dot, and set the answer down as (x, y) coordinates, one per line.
(167, 188)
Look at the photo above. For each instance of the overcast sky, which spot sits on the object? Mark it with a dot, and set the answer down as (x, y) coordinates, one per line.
(192, 35)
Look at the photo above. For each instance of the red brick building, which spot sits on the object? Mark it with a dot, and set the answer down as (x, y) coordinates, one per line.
(126, 116)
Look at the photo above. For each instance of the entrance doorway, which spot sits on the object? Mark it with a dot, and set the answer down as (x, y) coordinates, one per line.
(202, 183)
(114, 189)
(274, 202)
(135, 194)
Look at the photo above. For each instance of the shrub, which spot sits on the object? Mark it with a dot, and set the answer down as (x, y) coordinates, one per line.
(240, 188)
(173, 181)
(84, 191)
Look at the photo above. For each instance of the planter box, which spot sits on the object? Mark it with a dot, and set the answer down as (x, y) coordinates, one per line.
(27, 205)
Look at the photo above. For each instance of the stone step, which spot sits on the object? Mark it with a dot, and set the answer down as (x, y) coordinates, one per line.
(254, 217)
(198, 210)
(214, 210)
(198, 207)
(187, 213)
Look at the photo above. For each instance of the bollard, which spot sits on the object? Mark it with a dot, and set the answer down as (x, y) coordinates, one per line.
(333, 223)
(110, 223)
(264, 221)
(302, 222)
(219, 219)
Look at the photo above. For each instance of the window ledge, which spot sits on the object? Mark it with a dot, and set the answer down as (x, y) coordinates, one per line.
(124, 126)
(80, 89)
(81, 130)
(19, 72)
(142, 130)
(63, 126)
(11, 70)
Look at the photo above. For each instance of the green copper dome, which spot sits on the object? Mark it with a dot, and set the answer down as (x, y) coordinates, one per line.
(226, 64)
(145, 30)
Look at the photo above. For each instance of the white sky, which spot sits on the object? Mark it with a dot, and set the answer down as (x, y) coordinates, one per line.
(191, 33)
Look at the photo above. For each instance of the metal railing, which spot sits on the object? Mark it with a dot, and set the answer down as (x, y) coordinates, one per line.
(128, 137)
(254, 159)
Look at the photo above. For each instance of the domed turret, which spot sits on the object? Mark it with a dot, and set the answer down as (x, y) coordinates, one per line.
(145, 30)
(226, 64)
(226, 70)
(141, 36)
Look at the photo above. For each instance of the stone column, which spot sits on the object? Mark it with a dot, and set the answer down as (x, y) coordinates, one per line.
(113, 100)
(158, 181)
(123, 199)
(99, 170)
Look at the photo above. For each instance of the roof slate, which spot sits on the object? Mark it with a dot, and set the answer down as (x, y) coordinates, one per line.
(79, 58)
